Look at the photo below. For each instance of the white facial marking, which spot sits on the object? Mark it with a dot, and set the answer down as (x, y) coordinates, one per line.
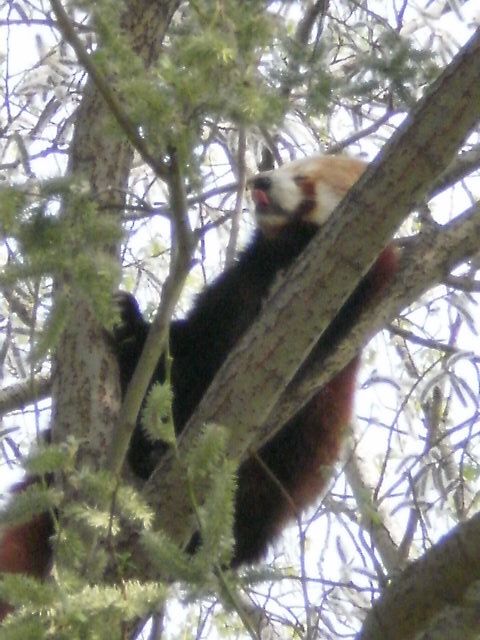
(285, 192)
(327, 199)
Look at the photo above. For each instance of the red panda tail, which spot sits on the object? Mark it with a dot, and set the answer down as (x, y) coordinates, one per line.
(383, 270)
(25, 548)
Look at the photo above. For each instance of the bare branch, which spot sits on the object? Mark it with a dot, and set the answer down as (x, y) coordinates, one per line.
(19, 395)
(460, 168)
(373, 519)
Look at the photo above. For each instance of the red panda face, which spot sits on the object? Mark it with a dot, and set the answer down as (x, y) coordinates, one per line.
(306, 190)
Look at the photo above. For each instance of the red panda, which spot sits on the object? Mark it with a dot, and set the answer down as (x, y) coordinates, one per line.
(290, 204)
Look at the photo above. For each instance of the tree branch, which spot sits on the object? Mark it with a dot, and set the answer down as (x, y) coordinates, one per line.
(374, 519)
(86, 393)
(425, 265)
(441, 577)
(23, 393)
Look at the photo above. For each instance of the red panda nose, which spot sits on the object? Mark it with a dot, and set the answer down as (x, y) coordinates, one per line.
(260, 198)
(260, 188)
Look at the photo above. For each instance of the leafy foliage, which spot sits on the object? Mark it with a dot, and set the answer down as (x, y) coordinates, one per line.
(157, 419)
(71, 247)
(236, 85)
(92, 612)
(207, 466)
(34, 500)
(208, 462)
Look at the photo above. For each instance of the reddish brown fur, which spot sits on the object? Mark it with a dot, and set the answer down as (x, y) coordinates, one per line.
(332, 406)
(25, 548)
(337, 172)
(290, 472)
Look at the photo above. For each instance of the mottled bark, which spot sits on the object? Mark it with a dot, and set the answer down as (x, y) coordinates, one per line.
(86, 390)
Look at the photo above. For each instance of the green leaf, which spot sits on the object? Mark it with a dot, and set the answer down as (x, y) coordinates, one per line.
(157, 419)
